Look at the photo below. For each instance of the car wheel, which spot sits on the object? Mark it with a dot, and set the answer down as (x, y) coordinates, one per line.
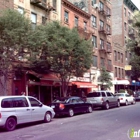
(10, 124)
(118, 104)
(89, 109)
(134, 102)
(71, 113)
(106, 105)
(126, 102)
(47, 117)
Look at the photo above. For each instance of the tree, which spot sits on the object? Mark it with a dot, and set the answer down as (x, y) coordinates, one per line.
(14, 31)
(133, 46)
(106, 79)
(63, 51)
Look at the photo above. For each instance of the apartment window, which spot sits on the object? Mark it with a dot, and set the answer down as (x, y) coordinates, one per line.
(122, 73)
(95, 61)
(109, 64)
(126, 55)
(101, 44)
(125, 12)
(44, 19)
(115, 55)
(85, 26)
(122, 57)
(115, 71)
(34, 20)
(101, 6)
(94, 41)
(76, 21)
(93, 21)
(93, 2)
(118, 55)
(66, 17)
(54, 4)
(108, 29)
(102, 62)
(101, 25)
(129, 15)
(125, 26)
(21, 10)
(119, 73)
(108, 45)
(108, 11)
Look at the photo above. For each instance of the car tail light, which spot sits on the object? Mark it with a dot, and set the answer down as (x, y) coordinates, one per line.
(102, 99)
(61, 106)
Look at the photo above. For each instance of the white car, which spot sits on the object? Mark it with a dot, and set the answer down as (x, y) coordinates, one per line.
(16, 110)
(126, 98)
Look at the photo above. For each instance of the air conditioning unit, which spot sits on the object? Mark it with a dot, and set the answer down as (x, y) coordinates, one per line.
(96, 6)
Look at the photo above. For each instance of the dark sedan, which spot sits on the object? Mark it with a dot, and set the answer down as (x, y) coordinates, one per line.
(70, 106)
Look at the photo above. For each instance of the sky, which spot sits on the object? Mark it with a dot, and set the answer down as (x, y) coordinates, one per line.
(137, 3)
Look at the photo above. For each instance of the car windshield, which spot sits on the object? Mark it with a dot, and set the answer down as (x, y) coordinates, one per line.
(120, 94)
(94, 94)
(60, 100)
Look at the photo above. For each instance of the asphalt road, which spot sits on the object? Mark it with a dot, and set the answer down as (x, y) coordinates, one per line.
(112, 124)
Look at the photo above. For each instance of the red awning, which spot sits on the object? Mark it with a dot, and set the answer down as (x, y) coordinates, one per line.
(84, 85)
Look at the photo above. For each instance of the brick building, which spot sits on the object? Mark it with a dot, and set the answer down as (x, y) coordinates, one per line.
(5, 4)
(122, 12)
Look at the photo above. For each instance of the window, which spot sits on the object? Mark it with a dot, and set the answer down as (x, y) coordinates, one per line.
(76, 21)
(21, 10)
(66, 17)
(85, 26)
(122, 73)
(101, 25)
(94, 41)
(115, 55)
(108, 11)
(34, 20)
(126, 55)
(108, 94)
(7, 103)
(108, 29)
(20, 102)
(116, 72)
(103, 94)
(108, 45)
(125, 26)
(129, 15)
(122, 57)
(93, 21)
(101, 6)
(118, 55)
(125, 12)
(95, 61)
(119, 73)
(93, 2)
(102, 62)
(34, 102)
(101, 44)
(54, 4)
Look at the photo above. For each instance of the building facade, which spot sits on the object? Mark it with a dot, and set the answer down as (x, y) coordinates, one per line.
(6, 4)
(122, 12)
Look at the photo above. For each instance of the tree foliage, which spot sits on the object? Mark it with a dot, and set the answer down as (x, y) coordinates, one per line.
(64, 51)
(133, 46)
(106, 79)
(14, 30)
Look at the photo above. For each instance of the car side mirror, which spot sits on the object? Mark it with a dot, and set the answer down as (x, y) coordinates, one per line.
(40, 105)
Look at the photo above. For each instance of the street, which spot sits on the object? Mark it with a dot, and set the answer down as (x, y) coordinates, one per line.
(112, 124)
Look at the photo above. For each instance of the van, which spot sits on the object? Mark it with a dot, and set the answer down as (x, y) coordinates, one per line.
(16, 110)
(104, 99)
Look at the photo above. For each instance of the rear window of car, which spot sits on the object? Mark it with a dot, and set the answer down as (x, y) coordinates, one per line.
(94, 94)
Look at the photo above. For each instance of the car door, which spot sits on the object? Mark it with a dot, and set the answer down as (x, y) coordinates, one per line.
(23, 111)
(74, 105)
(37, 111)
(110, 98)
(82, 106)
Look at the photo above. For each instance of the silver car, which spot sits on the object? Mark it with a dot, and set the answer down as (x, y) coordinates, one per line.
(16, 110)
(104, 99)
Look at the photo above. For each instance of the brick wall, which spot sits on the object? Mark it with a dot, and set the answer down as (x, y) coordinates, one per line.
(4, 4)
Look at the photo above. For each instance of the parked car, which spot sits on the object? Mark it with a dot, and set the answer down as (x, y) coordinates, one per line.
(16, 110)
(104, 99)
(137, 96)
(70, 106)
(126, 98)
